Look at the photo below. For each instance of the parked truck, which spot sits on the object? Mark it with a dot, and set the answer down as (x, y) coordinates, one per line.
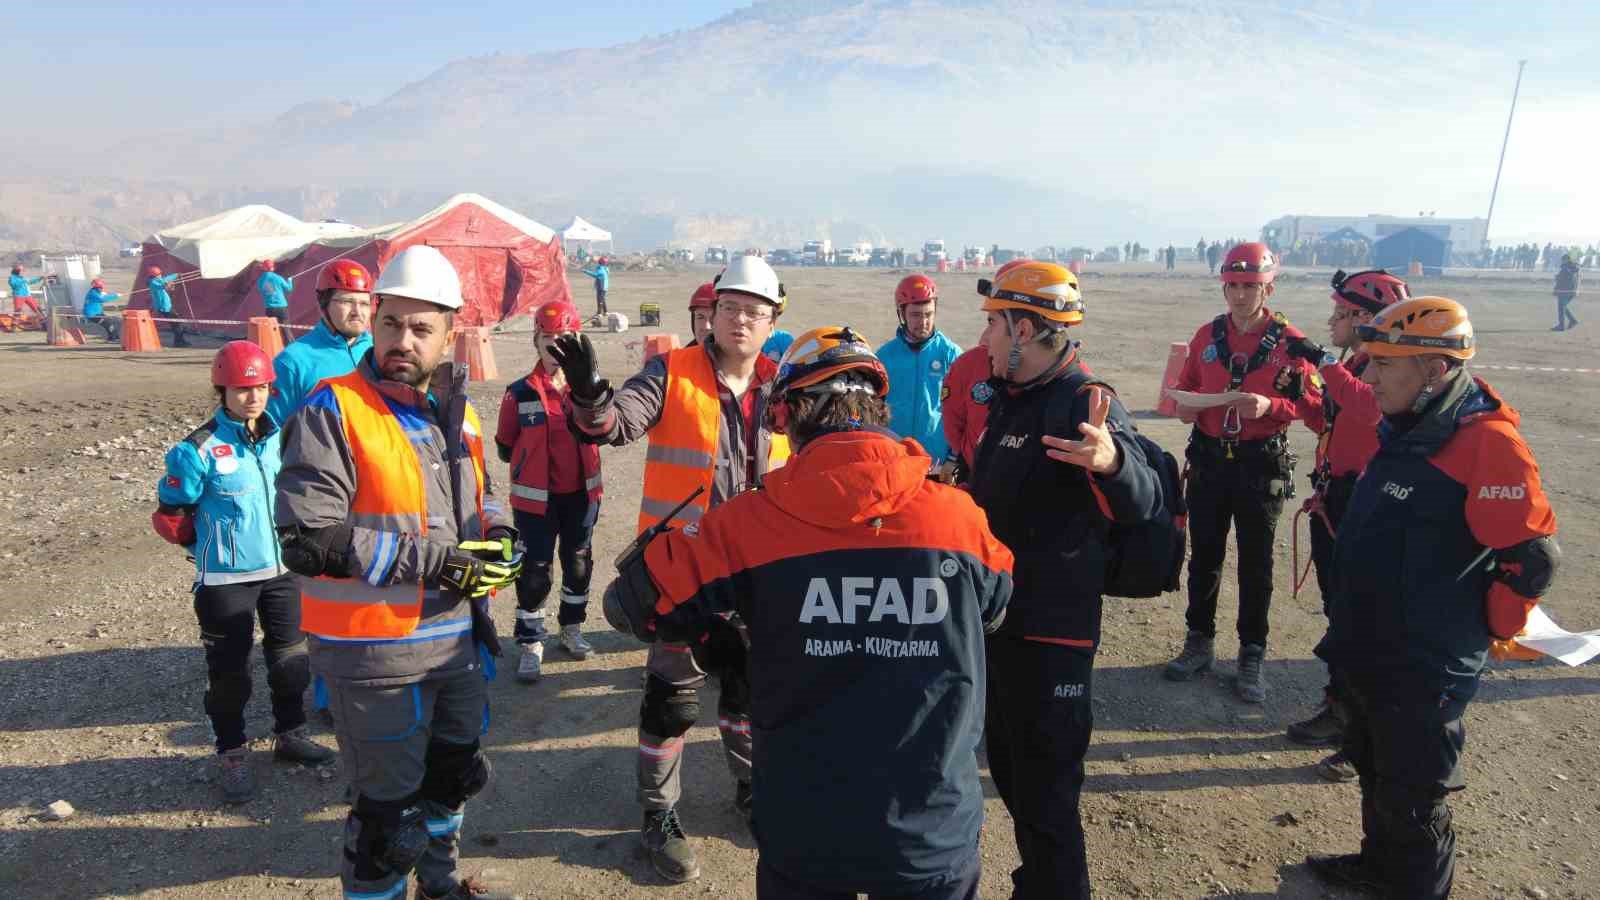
(817, 253)
(717, 256)
(933, 253)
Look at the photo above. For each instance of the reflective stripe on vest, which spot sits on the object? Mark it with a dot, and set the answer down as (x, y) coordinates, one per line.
(682, 453)
(390, 500)
(530, 461)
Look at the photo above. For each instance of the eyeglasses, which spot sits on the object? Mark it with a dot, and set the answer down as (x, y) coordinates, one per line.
(746, 313)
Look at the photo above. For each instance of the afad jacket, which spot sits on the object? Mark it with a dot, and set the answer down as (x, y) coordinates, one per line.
(867, 589)
(222, 479)
(530, 408)
(1441, 507)
(916, 382)
(1055, 516)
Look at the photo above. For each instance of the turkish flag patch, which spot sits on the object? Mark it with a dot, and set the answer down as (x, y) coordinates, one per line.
(221, 451)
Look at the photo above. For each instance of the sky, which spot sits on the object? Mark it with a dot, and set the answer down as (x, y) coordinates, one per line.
(167, 67)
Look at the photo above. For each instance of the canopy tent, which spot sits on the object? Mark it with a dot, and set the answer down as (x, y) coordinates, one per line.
(1396, 252)
(508, 263)
(581, 229)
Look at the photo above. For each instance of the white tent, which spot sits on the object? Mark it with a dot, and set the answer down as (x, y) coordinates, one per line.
(581, 229)
(224, 244)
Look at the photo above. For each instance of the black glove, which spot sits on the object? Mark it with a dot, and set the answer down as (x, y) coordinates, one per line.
(1302, 348)
(574, 353)
(317, 551)
(1290, 382)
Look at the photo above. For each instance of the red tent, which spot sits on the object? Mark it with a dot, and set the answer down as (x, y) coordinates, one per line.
(509, 264)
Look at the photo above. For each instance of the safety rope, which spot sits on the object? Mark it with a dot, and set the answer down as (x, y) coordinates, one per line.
(160, 319)
(1313, 506)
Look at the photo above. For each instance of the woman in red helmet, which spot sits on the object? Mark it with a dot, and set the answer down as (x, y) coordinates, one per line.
(216, 502)
(555, 493)
(1241, 469)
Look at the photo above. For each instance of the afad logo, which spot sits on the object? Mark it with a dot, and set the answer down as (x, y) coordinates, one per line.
(1396, 491)
(1503, 492)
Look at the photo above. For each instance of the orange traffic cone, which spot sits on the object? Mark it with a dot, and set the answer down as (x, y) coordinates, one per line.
(659, 344)
(264, 332)
(474, 351)
(67, 337)
(1075, 267)
(1177, 355)
(139, 332)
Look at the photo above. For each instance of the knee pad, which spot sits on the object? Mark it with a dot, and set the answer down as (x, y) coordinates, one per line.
(534, 585)
(668, 710)
(455, 773)
(576, 570)
(288, 667)
(392, 837)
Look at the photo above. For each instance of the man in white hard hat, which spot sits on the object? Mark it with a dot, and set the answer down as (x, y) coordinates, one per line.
(386, 512)
(703, 410)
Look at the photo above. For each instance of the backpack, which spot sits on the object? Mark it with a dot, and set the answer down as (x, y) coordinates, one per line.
(1146, 559)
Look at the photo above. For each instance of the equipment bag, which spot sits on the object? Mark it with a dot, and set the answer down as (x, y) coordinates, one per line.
(1146, 559)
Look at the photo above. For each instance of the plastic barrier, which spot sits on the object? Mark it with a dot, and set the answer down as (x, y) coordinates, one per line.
(1414, 270)
(474, 351)
(264, 331)
(139, 332)
(944, 265)
(1177, 355)
(1075, 267)
(659, 344)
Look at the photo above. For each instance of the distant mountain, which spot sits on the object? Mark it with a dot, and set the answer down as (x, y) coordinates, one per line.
(974, 120)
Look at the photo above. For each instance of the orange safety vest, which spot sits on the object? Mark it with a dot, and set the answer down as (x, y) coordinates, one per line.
(682, 454)
(389, 499)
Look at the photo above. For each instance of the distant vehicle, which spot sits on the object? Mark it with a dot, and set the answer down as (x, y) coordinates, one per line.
(857, 255)
(881, 256)
(717, 255)
(817, 253)
(1004, 256)
(683, 255)
(933, 253)
(783, 258)
(974, 255)
(754, 251)
(130, 251)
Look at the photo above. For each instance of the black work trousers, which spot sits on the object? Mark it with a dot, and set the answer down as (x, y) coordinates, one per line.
(1406, 746)
(566, 530)
(1335, 499)
(1235, 493)
(227, 614)
(1037, 724)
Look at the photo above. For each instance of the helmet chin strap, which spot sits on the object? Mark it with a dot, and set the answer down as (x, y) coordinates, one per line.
(1014, 355)
(1429, 389)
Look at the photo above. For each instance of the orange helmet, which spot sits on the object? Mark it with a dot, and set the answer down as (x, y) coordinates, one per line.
(1047, 289)
(1420, 327)
(917, 288)
(1006, 267)
(1251, 263)
(822, 353)
(1368, 291)
(704, 297)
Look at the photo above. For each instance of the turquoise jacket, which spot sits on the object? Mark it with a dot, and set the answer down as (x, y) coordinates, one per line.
(19, 285)
(160, 300)
(601, 276)
(274, 290)
(916, 378)
(228, 480)
(777, 345)
(94, 302)
(322, 353)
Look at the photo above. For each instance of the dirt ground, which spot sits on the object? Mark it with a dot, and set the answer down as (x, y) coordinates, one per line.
(1190, 792)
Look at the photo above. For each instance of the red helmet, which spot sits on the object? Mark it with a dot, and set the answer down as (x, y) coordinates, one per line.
(1368, 291)
(602, 261)
(241, 364)
(98, 283)
(344, 275)
(1250, 263)
(16, 269)
(153, 271)
(269, 264)
(704, 297)
(557, 316)
(915, 289)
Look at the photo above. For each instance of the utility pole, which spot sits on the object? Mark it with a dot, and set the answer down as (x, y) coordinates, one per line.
(1521, 63)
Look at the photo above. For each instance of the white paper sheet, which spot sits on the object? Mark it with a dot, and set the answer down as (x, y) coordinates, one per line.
(1196, 400)
(1545, 636)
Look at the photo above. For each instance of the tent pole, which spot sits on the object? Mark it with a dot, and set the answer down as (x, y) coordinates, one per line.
(1521, 63)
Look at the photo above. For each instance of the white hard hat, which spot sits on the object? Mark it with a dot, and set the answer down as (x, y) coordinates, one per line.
(421, 273)
(751, 275)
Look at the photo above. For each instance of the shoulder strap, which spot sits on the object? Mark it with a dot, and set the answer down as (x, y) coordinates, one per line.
(1269, 342)
(199, 436)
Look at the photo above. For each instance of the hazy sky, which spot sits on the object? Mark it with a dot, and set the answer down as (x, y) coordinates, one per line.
(126, 68)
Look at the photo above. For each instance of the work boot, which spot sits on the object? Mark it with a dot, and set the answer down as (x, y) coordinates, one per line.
(668, 847)
(296, 746)
(572, 641)
(469, 888)
(1196, 658)
(742, 801)
(532, 658)
(237, 778)
(1321, 730)
(1248, 684)
(1336, 767)
(1345, 870)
